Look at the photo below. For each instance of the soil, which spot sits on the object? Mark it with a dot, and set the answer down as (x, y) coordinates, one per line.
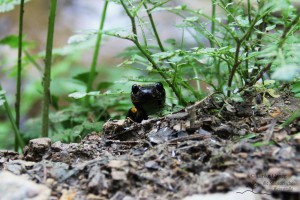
(212, 146)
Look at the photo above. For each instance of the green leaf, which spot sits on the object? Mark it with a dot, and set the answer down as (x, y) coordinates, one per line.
(266, 102)
(84, 77)
(2, 92)
(296, 87)
(271, 92)
(8, 5)
(237, 98)
(286, 72)
(63, 86)
(2, 101)
(104, 85)
(242, 21)
(13, 41)
(79, 95)
(261, 144)
(269, 28)
(82, 37)
(191, 19)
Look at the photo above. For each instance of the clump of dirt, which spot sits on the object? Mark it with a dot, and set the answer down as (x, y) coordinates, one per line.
(212, 146)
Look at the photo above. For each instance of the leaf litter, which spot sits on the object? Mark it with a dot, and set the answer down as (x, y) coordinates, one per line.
(210, 148)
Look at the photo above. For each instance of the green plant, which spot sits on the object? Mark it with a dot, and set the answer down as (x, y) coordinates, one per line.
(232, 49)
(47, 70)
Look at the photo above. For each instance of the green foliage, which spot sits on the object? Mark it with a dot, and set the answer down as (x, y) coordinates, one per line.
(2, 92)
(228, 53)
(296, 88)
(8, 5)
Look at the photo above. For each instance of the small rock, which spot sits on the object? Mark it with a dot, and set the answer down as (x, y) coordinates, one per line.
(152, 165)
(37, 149)
(119, 175)
(160, 136)
(119, 164)
(118, 196)
(279, 172)
(239, 193)
(225, 131)
(68, 194)
(40, 143)
(14, 187)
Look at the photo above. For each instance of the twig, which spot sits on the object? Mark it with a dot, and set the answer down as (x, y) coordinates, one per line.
(124, 142)
(270, 131)
(189, 137)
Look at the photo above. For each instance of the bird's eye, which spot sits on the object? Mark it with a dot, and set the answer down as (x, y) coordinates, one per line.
(159, 86)
(135, 88)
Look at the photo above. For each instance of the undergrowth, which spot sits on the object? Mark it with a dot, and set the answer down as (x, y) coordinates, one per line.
(237, 46)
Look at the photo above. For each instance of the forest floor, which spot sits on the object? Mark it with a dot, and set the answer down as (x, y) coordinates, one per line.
(212, 149)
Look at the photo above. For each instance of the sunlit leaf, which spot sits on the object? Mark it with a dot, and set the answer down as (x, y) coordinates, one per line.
(77, 95)
(8, 5)
(177, 8)
(266, 102)
(2, 92)
(272, 92)
(191, 19)
(287, 72)
(268, 28)
(242, 21)
(63, 86)
(2, 101)
(82, 37)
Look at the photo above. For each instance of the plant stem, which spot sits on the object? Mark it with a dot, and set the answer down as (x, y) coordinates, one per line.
(249, 11)
(154, 28)
(18, 89)
(47, 72)
(213, 23)
(18, 137)
(96, 53)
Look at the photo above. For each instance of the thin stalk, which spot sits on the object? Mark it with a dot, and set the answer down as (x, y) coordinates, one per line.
(18, 137)
(213, 23)
(96, 53)
(47, 72)
(249, 10)
(212, 43)
(18, 89)
(154, 28)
